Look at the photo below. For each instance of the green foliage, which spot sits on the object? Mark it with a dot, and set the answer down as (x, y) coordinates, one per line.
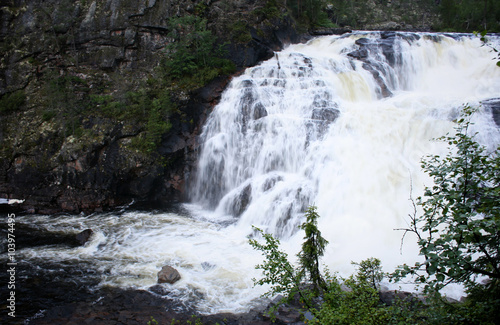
(63, 89)
(468, 188)
(270, 10)
(370, 271)
(459, 229)
(149, 108)
(344, 12)
(12, 102)
(357, 303)
(156, 126)
(106, 106)
(200, 8)
(65, 98)
(460, 235)
(48, 115)
(486, 42)
(470, 15)
(195, 321)
(193, 58)
(282, 276)
(313, 248)
(68, 100)
(278, 272)
(309, 12)
(355, 300)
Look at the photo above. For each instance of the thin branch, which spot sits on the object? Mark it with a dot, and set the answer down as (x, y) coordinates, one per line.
(412, 226)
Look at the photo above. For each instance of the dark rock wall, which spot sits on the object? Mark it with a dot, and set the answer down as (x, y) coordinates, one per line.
(111, 47)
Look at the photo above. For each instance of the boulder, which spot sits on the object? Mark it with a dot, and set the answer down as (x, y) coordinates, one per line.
(168, 275)
(390, 297)
(241, 201)
(84, 236)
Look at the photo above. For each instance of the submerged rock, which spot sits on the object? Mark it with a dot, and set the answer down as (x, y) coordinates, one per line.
(241, 201)
(325, 114)
(84, 236)
(168, 275)
(494, 105)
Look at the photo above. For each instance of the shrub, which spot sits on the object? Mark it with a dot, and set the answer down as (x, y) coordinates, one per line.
(458, 232)
(357, 303)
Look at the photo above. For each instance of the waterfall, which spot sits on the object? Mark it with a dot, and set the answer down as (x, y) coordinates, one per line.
(342, 123)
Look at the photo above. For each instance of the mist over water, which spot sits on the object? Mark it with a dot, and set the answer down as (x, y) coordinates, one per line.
(341, 122)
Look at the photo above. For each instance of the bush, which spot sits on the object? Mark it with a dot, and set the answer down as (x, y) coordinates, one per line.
(459, 228)
(357, 303)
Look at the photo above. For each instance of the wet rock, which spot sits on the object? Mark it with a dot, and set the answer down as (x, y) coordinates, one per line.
(330, 31)
(359, 54)
(369, 50)
(159, 290)
(241, 201)
(247, 84)
(207, 266)
(270, 182)
(494, 105)
(325, 114)
(84, 236)
(321, 119)
(383, 90)
(390, 297)
(259, 111)
(29, 236)
(168, 275)
(288, 315)
(117, 306)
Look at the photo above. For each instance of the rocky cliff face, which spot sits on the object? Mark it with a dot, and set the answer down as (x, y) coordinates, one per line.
(65, 63)
(76, 82)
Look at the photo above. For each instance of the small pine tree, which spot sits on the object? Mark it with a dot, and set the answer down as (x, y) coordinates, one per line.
(282, 276)
(313, 248)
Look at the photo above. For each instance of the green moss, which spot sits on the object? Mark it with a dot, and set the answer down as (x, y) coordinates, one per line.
(194, 58)
(148, 109)
(48, 115)
(240, 32)
(106, 106)
(12, 102)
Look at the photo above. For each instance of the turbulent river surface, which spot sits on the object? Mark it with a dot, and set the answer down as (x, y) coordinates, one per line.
(341, 122)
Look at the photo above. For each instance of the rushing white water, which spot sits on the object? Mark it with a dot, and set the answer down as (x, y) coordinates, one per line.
(341, 123)
(310, 126)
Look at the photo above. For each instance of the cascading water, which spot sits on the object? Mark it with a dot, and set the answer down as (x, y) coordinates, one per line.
(340, 122)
